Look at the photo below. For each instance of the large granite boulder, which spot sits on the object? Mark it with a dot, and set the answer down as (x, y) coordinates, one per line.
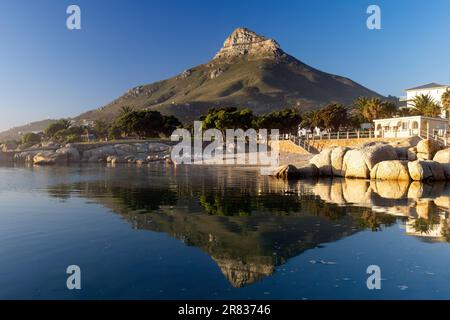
(377, 153)
(158, 147)
(359, 162)
(286, 172)
(354, 165)
(308, 171)
(71, 153)
(421, 170)
(8, 146)
(390, 170)
(337, 161)
(99, 154)
(125, 149)
(412, 154)
(442, 156)
(426, 149)
(323, 162)
(49, 158)
(25, 156)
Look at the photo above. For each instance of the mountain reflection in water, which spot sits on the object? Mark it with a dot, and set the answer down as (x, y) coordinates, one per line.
(250, 224)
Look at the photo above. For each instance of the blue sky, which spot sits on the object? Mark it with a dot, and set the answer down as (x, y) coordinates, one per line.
(47, 71)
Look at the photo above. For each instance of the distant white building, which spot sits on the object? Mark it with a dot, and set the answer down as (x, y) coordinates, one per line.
(405, 127)
(434, 90)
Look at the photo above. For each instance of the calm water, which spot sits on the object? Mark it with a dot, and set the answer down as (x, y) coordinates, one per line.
(217, 233)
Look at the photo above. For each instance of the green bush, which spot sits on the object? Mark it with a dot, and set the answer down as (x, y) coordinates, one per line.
(72, 138)
(31, 138)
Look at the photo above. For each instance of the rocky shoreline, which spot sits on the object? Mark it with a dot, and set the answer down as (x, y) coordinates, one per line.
(105, 152)
(424, 160)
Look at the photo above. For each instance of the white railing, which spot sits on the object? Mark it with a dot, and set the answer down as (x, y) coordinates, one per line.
(441, 139)
(308, 140)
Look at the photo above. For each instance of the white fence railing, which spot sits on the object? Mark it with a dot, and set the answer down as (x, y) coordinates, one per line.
(307, 141)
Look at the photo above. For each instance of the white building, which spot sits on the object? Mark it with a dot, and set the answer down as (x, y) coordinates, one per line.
(434, 90)
(405, 127)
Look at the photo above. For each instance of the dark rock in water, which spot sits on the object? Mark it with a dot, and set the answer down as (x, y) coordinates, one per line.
(308, 171)
(291, 172)
(286, 172)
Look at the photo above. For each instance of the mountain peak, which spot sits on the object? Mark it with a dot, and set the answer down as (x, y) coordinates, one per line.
(243, 41)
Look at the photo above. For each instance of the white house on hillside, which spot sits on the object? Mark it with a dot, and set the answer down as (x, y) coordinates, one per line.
(435, 90)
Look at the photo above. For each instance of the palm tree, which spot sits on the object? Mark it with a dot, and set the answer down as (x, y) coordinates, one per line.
(374, 108)
(446, 100)
(425, 105)
(125, 110)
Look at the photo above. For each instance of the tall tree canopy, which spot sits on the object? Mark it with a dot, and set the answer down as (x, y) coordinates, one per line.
(228, 118)
(286, 121)
(425, 105)
(375, 108)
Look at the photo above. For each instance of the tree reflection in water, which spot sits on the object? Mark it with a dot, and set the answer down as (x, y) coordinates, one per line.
(250, 224)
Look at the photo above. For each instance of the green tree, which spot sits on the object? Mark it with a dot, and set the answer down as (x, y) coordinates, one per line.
(63, 134)
(53, 128)
(143, 123)
(31, 138)
(374, 108)
(170, 124)
(286, 121)
(100, 129)
(114, 131)
(228, 118)
(125, 110)
(425, 105)
(310, 119)
(333, 117)
(72, 138)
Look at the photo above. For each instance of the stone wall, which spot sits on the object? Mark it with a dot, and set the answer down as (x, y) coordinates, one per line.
(350, 143)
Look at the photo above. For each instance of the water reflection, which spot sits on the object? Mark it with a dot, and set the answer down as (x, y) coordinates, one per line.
(250, 224)
(425, 207)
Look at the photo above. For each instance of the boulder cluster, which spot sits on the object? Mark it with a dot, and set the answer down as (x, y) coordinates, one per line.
(378, 161)
(138, 153)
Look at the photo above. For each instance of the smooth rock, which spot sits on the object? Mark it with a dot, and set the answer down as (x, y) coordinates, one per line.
(308, 171)
(442, 156)
(390, 170)
(323, 162)
(354, 165)
(286, 172)
(421, 170)
(428, 146)
(337, 161)
(71, 153)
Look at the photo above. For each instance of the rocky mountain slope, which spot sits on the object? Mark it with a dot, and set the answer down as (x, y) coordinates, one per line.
(248, 71)
(14, 133)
